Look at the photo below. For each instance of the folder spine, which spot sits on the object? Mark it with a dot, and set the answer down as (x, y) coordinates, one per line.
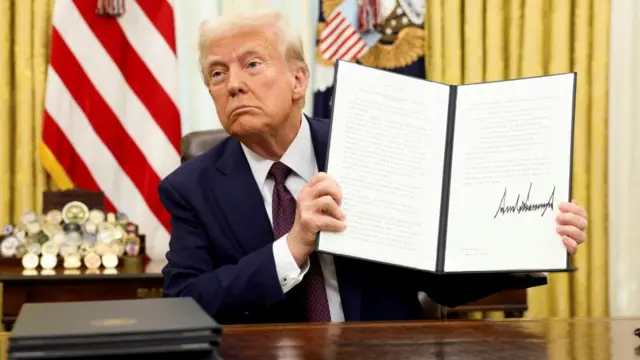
(324, 165)
(446, 180)
(571, 164)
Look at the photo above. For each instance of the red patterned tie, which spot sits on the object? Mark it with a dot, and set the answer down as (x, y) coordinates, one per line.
(284, 212)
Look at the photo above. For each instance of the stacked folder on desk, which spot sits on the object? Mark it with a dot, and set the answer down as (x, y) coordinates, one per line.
(137, 329)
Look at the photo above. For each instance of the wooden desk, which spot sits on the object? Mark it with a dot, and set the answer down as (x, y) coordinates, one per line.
(576, 339)
(18, 286)
(579, 339)
(512, 302)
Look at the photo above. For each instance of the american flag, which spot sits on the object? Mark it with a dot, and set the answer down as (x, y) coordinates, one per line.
(111, 119)
(341, 38)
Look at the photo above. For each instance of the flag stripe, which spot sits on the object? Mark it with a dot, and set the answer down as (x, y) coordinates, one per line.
(108, 127)
(137, 75)
(341, 38)
(354, 42)
(70, 161)
(340, 41)
(348, 44)
(113, 88)
(332, 27)
(76, 126)
(160, 12)
(333, 36)
(358, 51)
(345, 44)
(153, 50)
(333, 16)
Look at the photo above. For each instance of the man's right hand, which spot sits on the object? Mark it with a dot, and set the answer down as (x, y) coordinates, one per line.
(318, 209)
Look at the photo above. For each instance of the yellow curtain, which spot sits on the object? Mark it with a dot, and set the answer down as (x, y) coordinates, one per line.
(484, 40)
(24, 47)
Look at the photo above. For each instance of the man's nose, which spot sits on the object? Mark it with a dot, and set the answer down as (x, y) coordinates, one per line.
(236, 84)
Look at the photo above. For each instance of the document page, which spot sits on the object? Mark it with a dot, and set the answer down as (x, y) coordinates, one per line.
(386, 152)
(511, 168)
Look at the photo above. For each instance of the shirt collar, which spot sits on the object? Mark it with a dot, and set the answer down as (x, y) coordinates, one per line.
(299, 157)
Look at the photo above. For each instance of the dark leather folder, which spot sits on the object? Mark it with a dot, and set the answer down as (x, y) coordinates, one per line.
(175, 328)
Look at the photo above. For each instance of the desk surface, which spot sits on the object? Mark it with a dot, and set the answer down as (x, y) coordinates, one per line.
(583, 339)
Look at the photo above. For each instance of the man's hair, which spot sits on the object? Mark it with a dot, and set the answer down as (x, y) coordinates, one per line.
(290, 41)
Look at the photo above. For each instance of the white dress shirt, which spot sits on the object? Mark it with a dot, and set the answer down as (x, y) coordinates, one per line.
(300, 158)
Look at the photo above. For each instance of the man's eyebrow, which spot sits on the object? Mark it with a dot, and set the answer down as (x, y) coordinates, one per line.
(211, 61)
(251, 49)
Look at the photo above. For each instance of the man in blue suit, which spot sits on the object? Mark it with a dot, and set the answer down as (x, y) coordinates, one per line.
(246, 213)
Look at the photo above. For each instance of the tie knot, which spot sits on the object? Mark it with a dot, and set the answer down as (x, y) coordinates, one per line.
(279, 172)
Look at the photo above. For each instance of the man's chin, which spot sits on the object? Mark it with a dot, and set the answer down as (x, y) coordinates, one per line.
(245, 128)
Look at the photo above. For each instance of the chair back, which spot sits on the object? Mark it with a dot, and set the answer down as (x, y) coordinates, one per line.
(198, 142)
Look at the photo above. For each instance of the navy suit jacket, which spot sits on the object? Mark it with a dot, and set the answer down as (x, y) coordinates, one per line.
(220, 252)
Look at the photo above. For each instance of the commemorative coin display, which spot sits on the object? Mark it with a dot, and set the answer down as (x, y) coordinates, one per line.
(72, 237)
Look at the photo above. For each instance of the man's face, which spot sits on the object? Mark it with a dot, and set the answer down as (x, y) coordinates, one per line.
(251, 84)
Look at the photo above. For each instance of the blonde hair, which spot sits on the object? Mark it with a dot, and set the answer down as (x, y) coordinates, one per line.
(215, 28)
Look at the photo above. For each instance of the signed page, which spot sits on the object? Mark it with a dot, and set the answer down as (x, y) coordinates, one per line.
(511, 167)
(386, 152)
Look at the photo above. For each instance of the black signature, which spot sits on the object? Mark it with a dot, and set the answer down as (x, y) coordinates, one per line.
(524, 205)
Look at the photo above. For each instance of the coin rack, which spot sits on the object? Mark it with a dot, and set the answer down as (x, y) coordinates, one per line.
(73, 231)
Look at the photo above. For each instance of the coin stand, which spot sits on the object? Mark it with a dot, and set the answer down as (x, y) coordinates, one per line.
(73, 234)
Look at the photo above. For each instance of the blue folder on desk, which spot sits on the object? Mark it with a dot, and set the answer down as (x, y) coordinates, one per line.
(176, 328)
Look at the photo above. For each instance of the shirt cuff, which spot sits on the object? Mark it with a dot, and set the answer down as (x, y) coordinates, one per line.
(289, 274)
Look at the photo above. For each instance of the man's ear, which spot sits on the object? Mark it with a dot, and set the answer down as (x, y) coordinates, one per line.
(300, 82)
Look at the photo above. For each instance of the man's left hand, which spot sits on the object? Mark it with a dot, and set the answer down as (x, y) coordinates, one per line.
(572, 222)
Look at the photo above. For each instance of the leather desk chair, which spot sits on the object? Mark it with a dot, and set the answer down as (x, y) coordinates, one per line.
(198, 142)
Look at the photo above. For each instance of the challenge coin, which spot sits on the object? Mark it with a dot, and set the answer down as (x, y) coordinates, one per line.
(54, 217)
(48, 261)
(9, 246)
(110, 260)
(96, 216)
(92, 261)
(75, 212)
(50, 248)
(30, 261)
(28, 217)
(72, 261)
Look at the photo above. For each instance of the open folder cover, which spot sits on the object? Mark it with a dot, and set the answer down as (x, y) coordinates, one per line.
(103, 329)
(451, 178)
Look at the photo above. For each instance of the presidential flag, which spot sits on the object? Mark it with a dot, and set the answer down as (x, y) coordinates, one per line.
(342, 37)
(111, 119)
(385, 34)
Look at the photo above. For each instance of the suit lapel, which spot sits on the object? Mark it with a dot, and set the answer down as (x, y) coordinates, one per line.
(348, 282)
(320, 138)
(240, 200)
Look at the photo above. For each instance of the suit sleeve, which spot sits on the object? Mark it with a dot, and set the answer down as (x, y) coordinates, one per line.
(227, 291)
(453, 290)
